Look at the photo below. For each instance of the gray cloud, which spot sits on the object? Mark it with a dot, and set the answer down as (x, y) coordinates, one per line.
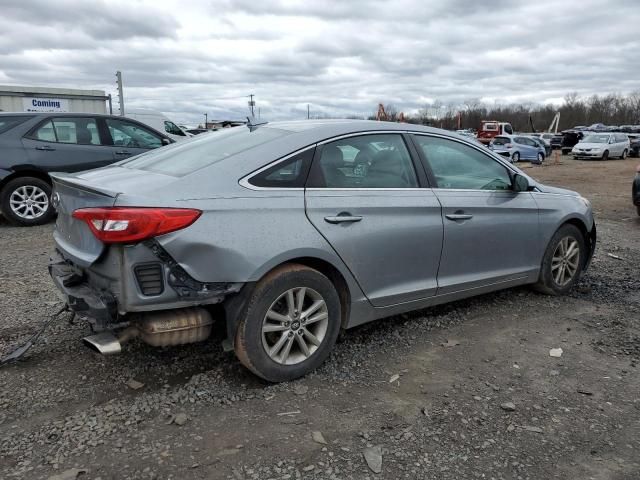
(187, 58)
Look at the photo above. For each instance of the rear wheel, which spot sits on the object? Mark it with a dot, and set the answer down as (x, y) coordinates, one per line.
(605, 155)
(540, 157)
(624, 154)
(291, 324)
(562, 262)
(515, 158)
(25, 201)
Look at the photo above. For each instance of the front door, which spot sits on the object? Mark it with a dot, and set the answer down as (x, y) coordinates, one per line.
(364, 196)
(67, 144)
(490, 231)
(130, 138)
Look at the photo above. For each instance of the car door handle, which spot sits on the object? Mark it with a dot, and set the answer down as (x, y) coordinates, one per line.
(459, 216)
(123, 152)
(46, 148)
(343, 219)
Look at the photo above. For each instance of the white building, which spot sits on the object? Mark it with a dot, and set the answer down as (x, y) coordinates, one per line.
(42, 99)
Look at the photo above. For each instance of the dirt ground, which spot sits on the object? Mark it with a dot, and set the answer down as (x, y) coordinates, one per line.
(462, 391)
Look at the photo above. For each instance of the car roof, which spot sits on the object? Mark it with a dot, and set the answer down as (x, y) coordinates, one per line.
(57, 114)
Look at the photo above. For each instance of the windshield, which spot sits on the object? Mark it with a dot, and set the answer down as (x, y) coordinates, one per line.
(501, 140)
(186, 157)
(596, 139)
(9, 122)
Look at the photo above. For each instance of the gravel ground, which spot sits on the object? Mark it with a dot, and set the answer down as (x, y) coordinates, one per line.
(466, 390)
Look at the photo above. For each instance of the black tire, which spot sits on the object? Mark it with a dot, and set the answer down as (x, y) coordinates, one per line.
(248, 343)
(605, 155)
(638, 210)
(624, 154)
(540, 157)
(13, 186)
(515, 158)
(546, 282)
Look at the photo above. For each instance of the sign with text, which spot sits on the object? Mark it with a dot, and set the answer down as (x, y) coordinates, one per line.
(37, 104)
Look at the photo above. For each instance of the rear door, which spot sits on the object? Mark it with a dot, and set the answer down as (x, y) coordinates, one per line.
(365, 196)
(67, 144)
(528, 148)
(130, 138)
(491, 233)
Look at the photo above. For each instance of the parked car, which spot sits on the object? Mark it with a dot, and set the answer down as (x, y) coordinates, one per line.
(634, 145)
(492, 128)
(570, 138)
(635, 190)
(542, 144)
(518, 147)
(556, 141)
(158, 121)
(602, 146)
(34, 144)
(197, 131)
(289, 232)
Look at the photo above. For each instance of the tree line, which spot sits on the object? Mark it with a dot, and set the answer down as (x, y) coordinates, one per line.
(610, 109)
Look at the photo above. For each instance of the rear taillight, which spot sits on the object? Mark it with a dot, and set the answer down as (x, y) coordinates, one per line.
(134, 224)
(508, 145)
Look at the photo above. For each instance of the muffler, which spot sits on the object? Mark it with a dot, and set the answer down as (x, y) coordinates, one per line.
(159, 329)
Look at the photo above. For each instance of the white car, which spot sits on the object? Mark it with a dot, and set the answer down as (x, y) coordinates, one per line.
(159, 121)
(602, 146)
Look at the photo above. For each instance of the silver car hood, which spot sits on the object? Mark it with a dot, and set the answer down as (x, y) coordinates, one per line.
(590, 145)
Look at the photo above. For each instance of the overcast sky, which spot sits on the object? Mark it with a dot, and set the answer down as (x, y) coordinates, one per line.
(342, 57)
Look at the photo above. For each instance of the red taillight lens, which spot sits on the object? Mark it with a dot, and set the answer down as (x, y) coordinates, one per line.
(134, 224)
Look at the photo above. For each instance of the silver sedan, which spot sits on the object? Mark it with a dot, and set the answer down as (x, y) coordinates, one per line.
(289, 232)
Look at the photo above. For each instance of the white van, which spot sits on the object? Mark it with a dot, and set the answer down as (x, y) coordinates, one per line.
(159, 121)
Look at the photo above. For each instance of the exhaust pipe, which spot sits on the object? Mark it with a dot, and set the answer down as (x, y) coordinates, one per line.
(159, 329)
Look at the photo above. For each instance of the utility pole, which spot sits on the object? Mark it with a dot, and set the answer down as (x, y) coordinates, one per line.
(205, 120)
(120, 94)
(251, 103)
(307, 111)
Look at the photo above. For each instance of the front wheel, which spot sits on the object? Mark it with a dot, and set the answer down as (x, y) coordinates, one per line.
(540, 157)
(562, 262)
(290, 325)
(515, 158)
(605, 155)
(624, 154)
(25, 201)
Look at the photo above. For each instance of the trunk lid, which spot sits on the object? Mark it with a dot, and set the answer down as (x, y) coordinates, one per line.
(73, 237)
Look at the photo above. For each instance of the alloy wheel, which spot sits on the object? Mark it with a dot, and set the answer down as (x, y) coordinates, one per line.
(29, 202)
(565, 261)
(295, 326)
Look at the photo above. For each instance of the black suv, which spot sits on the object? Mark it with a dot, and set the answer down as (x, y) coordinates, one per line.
(34, 144)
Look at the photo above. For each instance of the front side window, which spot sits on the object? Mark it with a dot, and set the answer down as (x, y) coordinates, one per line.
(172, 128)
(366, 161)
(78, 131)
(458, 166)
(128, 134)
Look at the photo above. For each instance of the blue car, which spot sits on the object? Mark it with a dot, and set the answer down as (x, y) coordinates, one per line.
(517, 147)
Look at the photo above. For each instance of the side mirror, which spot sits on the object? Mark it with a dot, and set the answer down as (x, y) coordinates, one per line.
(166, 141)
(520, 183)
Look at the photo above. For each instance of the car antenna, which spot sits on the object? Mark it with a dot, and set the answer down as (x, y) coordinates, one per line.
(253, 123)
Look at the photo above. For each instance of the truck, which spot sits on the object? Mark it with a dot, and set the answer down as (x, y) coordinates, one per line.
(492, 128)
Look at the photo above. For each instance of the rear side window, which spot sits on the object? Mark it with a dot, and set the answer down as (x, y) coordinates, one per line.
(7, 123)
(186, 157)
(290, 173)
(77, 131)
(367, 161)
